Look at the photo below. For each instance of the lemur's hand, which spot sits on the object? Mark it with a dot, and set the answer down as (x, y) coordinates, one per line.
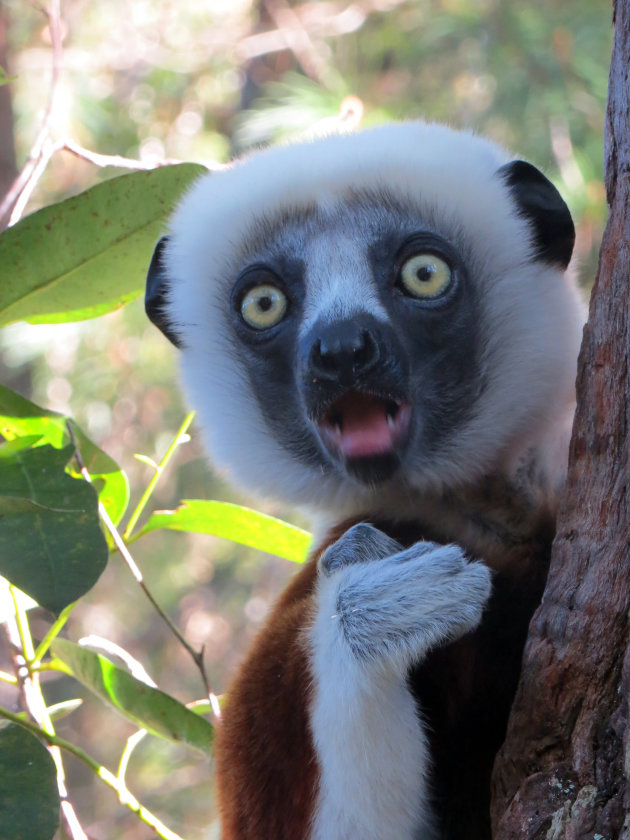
(391, 605)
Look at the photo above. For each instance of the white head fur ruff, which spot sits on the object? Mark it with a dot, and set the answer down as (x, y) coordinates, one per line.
(532, 314)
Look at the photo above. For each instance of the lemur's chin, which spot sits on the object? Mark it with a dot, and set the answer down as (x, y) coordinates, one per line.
(367, 433)
(374, 470)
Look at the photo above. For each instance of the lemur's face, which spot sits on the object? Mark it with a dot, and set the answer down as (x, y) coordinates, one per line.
(366, 316)
(356, 327)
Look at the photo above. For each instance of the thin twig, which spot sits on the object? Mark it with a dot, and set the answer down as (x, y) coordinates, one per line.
(299, 41)
(53, 632)
(31, 171)
(329, 21)
(48, 150)
(14, 202)
(197, 656)
(159, 470)
(8, 678)
(120, 162)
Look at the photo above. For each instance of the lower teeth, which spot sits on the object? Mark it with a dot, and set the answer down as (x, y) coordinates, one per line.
(390, 412)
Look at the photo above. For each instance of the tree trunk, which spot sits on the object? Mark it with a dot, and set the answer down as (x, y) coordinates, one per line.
(563, 772)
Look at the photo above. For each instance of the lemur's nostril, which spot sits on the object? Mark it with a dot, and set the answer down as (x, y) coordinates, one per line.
(343, 351)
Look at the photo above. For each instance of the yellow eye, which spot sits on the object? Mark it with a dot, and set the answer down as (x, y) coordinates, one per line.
(425, 276)
(263, 307)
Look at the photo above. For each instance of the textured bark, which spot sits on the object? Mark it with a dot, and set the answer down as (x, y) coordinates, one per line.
(563, 772)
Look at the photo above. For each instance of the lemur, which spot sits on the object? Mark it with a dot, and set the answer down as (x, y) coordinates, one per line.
(380, 329)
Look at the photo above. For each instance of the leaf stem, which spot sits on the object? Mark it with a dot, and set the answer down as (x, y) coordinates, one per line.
(8, 678)
(21, 621)
(157, 475)
(53, 665)
(52, 633)
(124, 794)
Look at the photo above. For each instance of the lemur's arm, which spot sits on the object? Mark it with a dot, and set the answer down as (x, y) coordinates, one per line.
(321, 738)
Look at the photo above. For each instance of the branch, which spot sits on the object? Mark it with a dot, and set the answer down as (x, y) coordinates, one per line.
(299, 41)
(14, 202)
(197, 656)
(97, 159)
(40, 151)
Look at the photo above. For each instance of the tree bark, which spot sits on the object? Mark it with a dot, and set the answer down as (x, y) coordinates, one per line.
(563, 772)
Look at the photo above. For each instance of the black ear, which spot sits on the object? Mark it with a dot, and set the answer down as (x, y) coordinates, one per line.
(155, 295)
(542, 205)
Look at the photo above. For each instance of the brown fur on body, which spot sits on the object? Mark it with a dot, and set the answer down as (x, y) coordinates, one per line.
(266, 764)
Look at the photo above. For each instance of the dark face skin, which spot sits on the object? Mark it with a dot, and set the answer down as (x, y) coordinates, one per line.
(404, 384)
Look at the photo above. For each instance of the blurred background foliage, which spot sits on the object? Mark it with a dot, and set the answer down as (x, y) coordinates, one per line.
(202, 81)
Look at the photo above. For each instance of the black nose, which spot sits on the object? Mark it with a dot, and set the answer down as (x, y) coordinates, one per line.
(342, 351)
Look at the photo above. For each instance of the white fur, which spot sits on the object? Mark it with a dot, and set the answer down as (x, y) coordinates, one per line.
(333, 264)
(374, 618)
(531, 314)
(371, 749)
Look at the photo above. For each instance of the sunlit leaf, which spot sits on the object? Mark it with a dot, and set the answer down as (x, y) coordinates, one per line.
(20, 418)
(147, 707)
(99, 644)
(89, 254)
(61, 710)
(51, 544)
(144, 459)
(29, 798)
(237, 523)
(205, 707)
(10, 447)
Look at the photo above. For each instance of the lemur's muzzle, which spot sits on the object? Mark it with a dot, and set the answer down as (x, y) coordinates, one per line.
(355, 386)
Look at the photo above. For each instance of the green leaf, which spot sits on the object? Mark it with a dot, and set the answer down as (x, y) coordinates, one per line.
(241, 524)
(147, 707)
(29, 799)
(89, 254)
(10, 447)
(144, 459)
(23, 419)
(61, 710)
(51, 544)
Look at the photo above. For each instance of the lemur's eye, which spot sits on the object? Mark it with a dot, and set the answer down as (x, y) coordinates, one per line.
(425, 276)
(263, 307)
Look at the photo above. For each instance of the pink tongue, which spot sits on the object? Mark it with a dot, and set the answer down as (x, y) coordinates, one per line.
(365, 430)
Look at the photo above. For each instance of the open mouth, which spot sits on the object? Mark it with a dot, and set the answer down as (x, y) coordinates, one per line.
(359, 425)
